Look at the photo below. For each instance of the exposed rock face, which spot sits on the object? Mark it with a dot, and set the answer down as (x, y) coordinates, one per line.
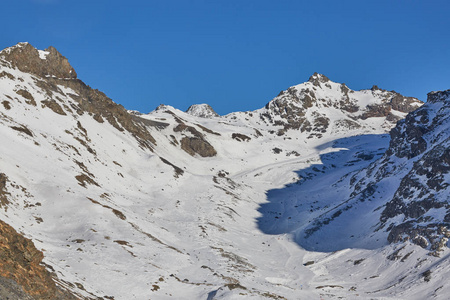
(20, 262)
(195, 142)
(424, 138)
(3, 192)
(9, 289)
(316, 79)
(240, 137)
(194, 145)
(48, 63)
(53, 70)
(102, 107)
(419, 153)
(299, 107)
(202, 111)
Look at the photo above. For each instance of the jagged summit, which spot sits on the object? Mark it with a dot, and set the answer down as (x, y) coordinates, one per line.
(437, 96)
(164, 107)
(320, 104)
(53, 71)
(317, 78)
(45, 63)
(202, 110)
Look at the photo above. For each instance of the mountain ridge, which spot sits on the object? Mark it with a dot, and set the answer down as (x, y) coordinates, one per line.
(45, 63)
(84, 177)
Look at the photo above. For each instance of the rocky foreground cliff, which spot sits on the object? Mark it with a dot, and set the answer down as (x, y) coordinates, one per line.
(23, 275)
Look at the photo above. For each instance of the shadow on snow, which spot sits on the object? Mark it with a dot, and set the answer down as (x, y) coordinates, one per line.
(311, 209)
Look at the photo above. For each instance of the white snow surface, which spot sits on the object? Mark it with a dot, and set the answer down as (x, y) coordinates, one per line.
(43, 54)
(227, 228)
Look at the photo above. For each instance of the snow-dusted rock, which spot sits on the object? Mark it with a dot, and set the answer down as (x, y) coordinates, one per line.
(202, 111)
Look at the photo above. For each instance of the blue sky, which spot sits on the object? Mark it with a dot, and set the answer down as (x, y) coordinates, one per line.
(237, 55)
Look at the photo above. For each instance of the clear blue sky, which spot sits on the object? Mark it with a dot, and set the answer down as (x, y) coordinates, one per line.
(237, 55)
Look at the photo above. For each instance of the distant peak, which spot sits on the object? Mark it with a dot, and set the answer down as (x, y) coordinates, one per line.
(376, 88)
(317, 78)
(45, 63)
(162, 107)
(439, 96)
(19, 45)
(201, 110)
(22, 44)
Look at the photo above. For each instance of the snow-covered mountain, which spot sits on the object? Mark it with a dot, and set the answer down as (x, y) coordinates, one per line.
(419, 155)
(285, 202)
(202, 110)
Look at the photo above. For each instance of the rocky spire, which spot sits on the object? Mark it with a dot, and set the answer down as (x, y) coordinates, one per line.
(47, 63)
(317, 78)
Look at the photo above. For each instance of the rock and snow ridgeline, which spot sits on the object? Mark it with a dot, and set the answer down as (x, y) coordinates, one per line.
(202, 111)
(193, 205)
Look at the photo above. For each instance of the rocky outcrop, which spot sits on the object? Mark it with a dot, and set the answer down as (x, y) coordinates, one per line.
(407, 138)
(47, 63)
(240, 137)
(423, 138)
(194, 142)
(300, 107)
(202, 111)
(101, 107)
(53, 70)
(418, 154)
(3, 192)
(403, 104)
(9, 289)
(22, 274)
(194, 145)
(316, 79)
(392, 101)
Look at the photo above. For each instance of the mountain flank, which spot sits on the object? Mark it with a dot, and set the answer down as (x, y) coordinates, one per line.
(324, 192)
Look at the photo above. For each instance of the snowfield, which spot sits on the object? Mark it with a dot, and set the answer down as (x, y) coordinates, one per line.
(115, 219)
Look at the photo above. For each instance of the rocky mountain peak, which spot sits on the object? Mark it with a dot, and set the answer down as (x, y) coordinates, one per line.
(376, 88)
(44, 63)
(202, 110)
(312, 105)
(55, 71)
(317, 78)
(161, 107)
(438, 96)
(408, 138)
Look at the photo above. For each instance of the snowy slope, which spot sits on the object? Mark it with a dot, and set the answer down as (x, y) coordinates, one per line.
(175, 205)
(394, 209)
